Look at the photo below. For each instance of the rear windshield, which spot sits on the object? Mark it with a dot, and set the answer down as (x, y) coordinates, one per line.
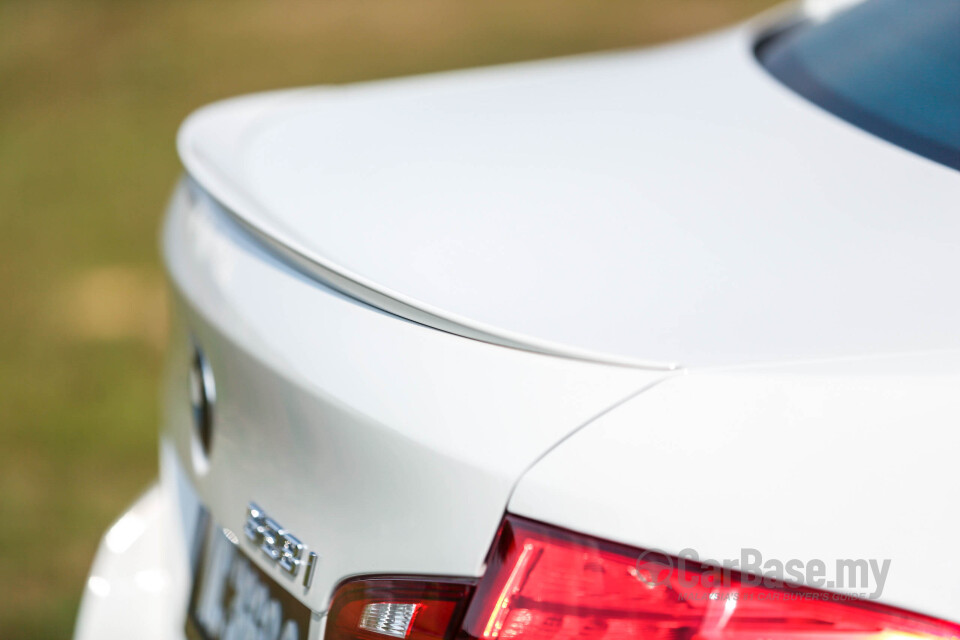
(891, 67)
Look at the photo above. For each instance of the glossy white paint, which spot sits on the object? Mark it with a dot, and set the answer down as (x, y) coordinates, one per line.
(139, 579)
(844, 459)
(663, 207)
(383, 445)
(654, 209)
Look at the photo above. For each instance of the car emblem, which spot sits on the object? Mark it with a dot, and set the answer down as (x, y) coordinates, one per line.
(280, 546)
(203, 396)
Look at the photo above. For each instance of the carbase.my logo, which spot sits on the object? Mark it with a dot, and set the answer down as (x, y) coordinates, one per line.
(863, 578)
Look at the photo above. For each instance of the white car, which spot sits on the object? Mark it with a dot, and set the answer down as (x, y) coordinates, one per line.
(660, 344)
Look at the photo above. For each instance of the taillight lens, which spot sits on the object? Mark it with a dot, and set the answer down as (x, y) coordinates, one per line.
(385, 608)
(542, 583)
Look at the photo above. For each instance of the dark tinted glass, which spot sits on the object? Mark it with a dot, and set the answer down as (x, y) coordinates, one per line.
(891, 67)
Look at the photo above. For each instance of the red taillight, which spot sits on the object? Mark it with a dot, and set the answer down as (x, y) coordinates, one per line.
(543, 583)
(385, 608)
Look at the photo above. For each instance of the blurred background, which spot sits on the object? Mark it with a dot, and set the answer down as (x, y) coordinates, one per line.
(91, 95)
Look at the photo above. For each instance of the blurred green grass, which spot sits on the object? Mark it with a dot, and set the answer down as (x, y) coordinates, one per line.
(91, 94)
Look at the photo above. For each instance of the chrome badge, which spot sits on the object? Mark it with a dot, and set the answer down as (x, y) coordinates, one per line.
(278, 544)
(203, 397)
